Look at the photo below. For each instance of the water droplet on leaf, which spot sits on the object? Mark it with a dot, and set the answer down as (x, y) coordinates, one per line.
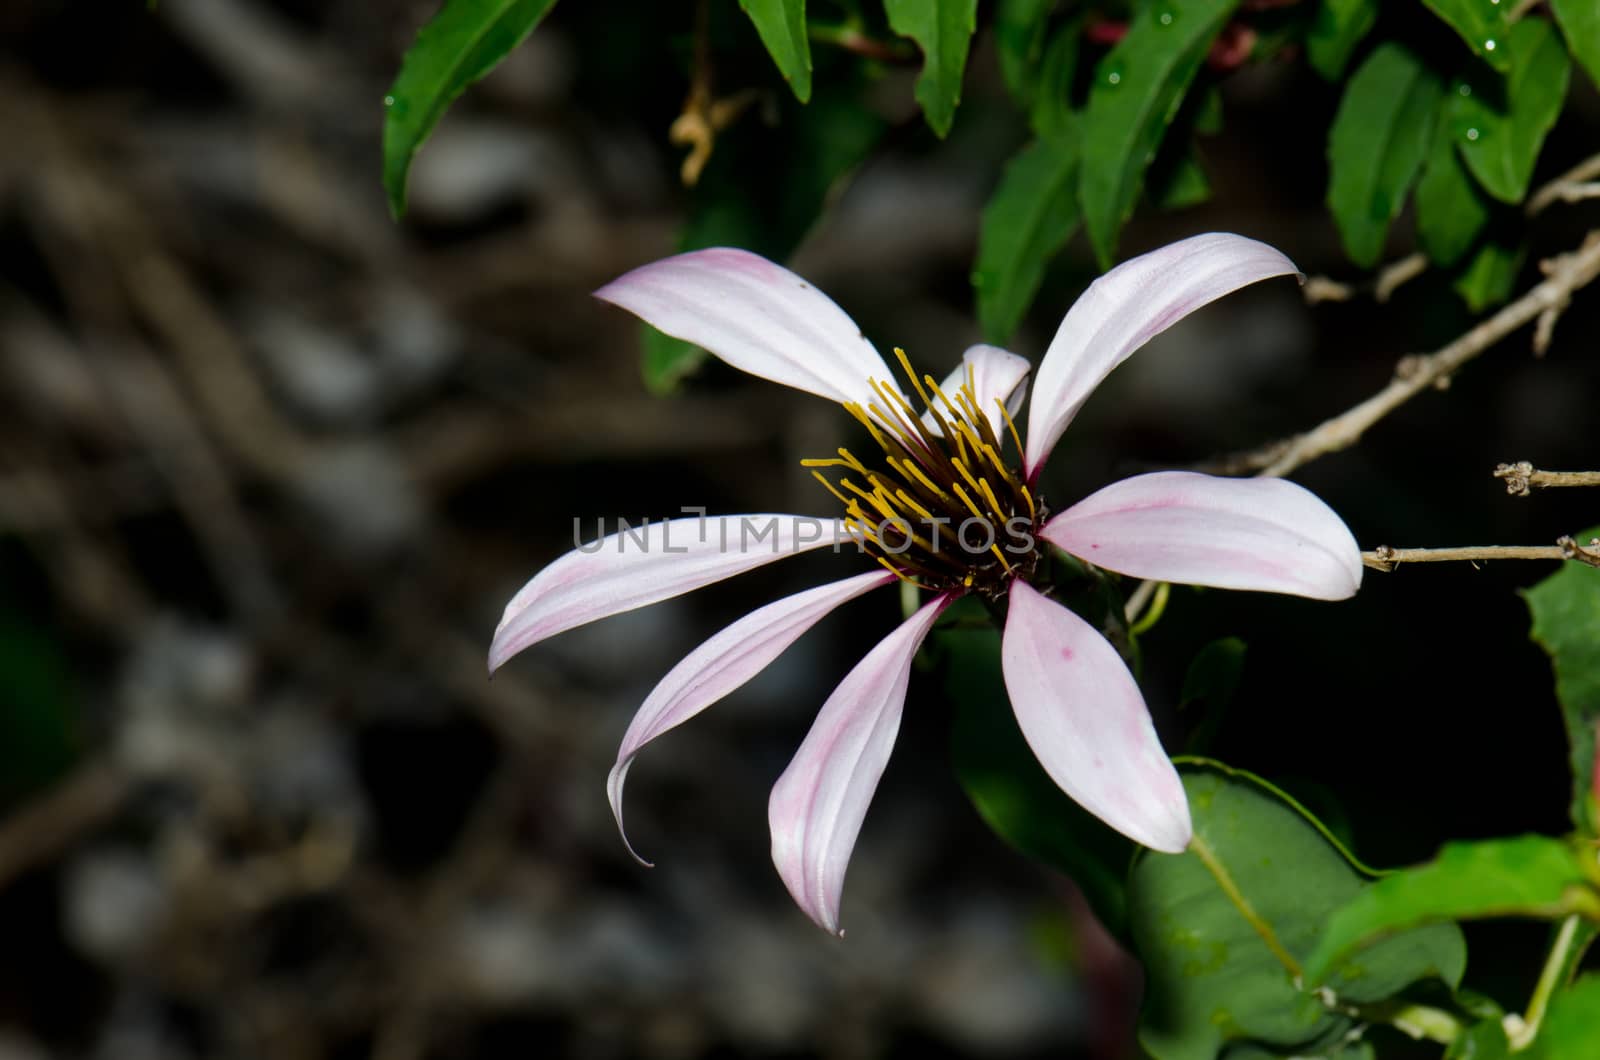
(388, 101)
(1488, 45)
(1472, 134)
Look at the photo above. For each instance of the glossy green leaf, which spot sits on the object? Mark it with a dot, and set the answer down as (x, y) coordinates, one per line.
(1481, 23)
(1138, 89)
(802, 161)
(1011, 791)
(1451, 210)
(1580, 24)
(782, 26)
(1501, 122)
(465, 40)
(943, 30)
(1571, 1029)
(1481, 1041)
(1222, 928)
(1376, 145)
(1338, 27)
(1490, 274)
(1051, 115)
(1566, 624)
(1530, 876)
(1020, 34)
(1029, 218)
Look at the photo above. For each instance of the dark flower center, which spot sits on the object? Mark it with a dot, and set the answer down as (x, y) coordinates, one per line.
(943, 510)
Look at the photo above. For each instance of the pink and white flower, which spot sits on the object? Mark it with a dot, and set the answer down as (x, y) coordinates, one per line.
(1074, 699)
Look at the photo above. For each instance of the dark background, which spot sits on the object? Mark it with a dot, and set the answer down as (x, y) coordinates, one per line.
(270, 465)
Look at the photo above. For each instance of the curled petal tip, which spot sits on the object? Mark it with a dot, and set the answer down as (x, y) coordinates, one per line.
(614, 782)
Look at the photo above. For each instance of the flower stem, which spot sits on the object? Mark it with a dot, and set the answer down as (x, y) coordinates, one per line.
(1572, 938)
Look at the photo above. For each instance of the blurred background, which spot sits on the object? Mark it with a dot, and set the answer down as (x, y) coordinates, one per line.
(271, 463)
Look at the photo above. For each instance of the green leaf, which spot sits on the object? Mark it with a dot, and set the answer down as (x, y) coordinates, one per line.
(1051, 115)
(1008, 787)
(1580, 23)
(465, 40)
(802, 161)
(1532, 876)
(782, 26)
(1566, 624)
(1019, 39)
(1481, 1041)
(1209, 687)
(1451, 211)
(1220, 927)
(1029, 218)
(36, 707)
(1501, 122)
(1138, 88)
(1337, 28)
(1481, 23)
(1489, 275)
(943, 30)
(1179, 181)
(1336, 1050)
(1376, 144)
(1571, 1029)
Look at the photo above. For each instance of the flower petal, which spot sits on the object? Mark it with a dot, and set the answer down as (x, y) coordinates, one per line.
(759, 317)
(1231, 533)
(997, 375)
(724, 663)
(1082, 714)
(1126, 308)
(818, 804)
(645, 565)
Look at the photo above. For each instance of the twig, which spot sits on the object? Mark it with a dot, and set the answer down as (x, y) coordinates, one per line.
(48, 825)
(1565, 188)
(1522, 477)
(851, 39)
(1384, 285)
(1567, 273)
(1385, 558)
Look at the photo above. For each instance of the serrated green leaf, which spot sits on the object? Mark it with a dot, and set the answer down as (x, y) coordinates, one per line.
(1217, 926)
(462, 43)
(1580, 24)
(943, 30)
(1530, 876)
(801, 161)
(1138, 88)
(1008, 787)
(1020, 28)
(1501, 122)
(1489, 275)
(1481, 1041)
(1571, 1029)
(1376, 145)
(1051, 115)
(1451, 211)
(782, 26)
(1566, 624)
(1338, 27)
(1031, 215)
(1481, 23)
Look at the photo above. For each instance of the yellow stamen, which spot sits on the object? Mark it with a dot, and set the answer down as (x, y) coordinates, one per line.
(1009, 424)
(820, 477)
